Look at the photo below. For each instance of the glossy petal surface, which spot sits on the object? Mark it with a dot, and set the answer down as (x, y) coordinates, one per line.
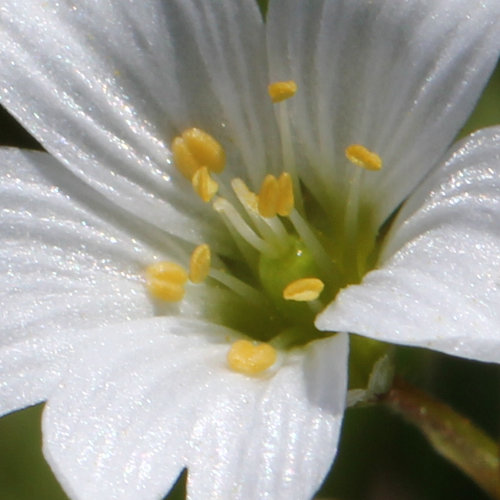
(68, 262)
(397, 77)
(124, 426)
(438, 283)
(106, 86)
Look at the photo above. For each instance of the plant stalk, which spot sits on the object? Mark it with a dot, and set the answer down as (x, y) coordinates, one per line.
(451, 434)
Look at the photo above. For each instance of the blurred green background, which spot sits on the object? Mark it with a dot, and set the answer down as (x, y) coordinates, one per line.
(380, 457)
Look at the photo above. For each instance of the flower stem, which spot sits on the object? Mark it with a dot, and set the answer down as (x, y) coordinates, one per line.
(451, 434)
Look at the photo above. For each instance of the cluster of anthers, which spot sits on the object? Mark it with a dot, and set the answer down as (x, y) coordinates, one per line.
(199, 157)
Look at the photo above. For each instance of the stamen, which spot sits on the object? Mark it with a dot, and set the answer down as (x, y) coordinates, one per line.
(247, 198)
(199, 264)
(247, 292)
(184, 160)
(287, 89)
(279, 91)
(236, 221)
(285, 197)
(368, 160)
(195, 149)
(313, 244)
(271, 229)
(251, 359)
(268, 196)
(303, 290)
(166, 280)
(363, 157)
(204, 185)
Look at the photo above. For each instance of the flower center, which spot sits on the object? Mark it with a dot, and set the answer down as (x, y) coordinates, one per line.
(287, 267)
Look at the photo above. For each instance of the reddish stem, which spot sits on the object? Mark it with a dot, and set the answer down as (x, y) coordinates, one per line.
(451, 434)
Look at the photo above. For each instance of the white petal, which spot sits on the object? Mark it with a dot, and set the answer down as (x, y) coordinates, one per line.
(124, 425)
(398, 77)
(67, 263)
(30, 368)
(105, 86)
(275, 439)
(438, 284)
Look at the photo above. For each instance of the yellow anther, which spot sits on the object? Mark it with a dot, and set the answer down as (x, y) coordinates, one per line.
(251, 359)
(275, 196)
(166, 280)
(279, 91)
(199, 264)
(184, 160)
(303, 290)
(285, 197)
(362, 157)
(204, 185)
(268, 196)
(195, 149)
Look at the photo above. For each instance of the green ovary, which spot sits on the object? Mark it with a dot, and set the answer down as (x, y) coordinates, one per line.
(289, 323)
(298, 244)
(276, 273)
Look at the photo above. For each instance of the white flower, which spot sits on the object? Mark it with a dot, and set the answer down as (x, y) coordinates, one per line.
(137, 389)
